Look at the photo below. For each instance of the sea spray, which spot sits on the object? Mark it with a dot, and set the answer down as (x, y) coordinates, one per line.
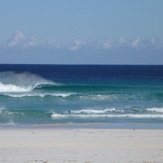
(20, 82)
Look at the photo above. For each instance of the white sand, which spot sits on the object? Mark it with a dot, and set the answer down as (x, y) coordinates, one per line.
(81, 146)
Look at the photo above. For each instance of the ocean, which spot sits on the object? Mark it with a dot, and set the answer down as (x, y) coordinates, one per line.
(79, 94)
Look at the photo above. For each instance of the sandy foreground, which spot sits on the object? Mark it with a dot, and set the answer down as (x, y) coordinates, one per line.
(81, 146)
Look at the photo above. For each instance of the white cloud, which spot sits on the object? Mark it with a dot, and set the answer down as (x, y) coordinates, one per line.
(106, 44)
(151, 42)
(18, 39)
(77, 44)
(136, 43)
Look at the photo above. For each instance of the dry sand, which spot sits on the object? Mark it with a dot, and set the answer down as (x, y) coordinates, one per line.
(81, 146)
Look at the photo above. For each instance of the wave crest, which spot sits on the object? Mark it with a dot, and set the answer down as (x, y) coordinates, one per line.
(21, 82)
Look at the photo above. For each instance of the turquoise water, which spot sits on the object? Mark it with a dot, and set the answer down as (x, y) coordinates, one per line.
(52, 94)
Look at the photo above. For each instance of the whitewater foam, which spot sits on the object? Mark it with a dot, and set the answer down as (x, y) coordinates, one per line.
(13, 88)
(95, 111)
(20, 82)
(10, 123)
(135, 116)
(64, 95)
(108, 113)
(159, 110)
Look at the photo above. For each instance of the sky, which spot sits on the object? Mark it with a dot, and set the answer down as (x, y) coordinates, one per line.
(81, 32)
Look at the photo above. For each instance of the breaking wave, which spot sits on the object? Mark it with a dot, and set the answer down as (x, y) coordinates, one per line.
(136, 116)
(110, 113)
(13, 88)
(21, 82)
(95, 111)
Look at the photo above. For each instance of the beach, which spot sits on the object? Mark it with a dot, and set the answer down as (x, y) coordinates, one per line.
(80, 145)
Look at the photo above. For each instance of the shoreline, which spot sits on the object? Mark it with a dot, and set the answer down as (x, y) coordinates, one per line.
(143, 126)
(77, 145)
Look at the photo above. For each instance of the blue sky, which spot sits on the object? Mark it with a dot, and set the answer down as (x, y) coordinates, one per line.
(81, 31)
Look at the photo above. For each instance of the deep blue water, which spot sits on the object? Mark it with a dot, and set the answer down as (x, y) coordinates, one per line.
(50, 94)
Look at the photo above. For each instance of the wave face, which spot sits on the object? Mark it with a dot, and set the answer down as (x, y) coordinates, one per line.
(34, 94)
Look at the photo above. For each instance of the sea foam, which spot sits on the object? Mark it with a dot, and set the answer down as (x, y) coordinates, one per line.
(135, 116)
(42, 95)
(159, 110)
(13, 88)
(20, 82)
(95, 111)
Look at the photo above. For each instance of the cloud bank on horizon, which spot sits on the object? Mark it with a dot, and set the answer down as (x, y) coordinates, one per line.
(20, 40)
